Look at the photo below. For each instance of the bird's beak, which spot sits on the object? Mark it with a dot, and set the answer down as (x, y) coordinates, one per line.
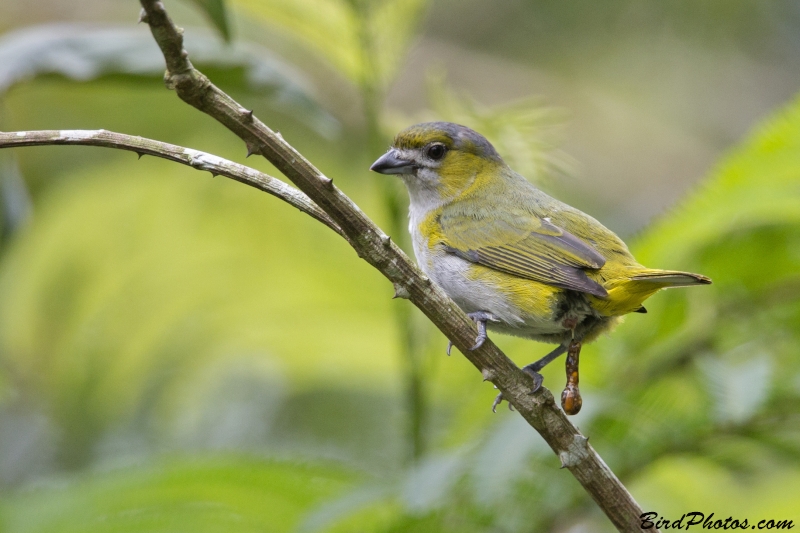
(391, 163)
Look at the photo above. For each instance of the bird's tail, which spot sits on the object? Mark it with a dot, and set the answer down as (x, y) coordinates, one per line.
(627, 293)
(670, 278)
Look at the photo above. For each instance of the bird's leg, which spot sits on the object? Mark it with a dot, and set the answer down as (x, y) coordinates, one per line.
(480, 318)
(533, 371)
(571, 400)
(497, 400)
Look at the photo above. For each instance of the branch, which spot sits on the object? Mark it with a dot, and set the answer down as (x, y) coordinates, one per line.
(375, 247)
(185, 156)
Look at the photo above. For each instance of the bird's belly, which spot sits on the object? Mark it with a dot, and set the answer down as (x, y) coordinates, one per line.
(524, 308)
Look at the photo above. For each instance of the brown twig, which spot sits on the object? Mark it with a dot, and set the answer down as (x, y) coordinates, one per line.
(217, 166)
(370, 243)
(377, 249)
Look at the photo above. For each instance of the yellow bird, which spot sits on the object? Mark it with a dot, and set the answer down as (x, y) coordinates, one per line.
(510, 255)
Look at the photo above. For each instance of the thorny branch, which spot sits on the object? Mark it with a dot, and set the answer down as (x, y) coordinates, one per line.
(217, 166)
(328, 204)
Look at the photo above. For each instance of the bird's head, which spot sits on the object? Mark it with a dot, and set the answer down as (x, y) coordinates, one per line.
(439, 160)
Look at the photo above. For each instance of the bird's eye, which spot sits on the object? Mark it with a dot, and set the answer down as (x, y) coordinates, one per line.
(435, 151)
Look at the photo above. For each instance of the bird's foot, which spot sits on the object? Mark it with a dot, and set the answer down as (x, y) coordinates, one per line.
(533, 369)
(498, 400)
(537, 383)
(480, 318)
(537, 377)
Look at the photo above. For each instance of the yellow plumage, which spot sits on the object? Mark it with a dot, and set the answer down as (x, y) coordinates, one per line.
(508, 253)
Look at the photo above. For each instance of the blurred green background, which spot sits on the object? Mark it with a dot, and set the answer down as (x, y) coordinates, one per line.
(182, 353)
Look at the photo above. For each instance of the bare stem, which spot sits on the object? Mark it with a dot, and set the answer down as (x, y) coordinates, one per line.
(217, 166)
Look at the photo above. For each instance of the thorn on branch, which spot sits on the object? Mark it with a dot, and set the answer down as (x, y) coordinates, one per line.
(248, 113)
(386, 240)
(401, 292)
(143, 17)
(487, 373)
(252, 148)
(327, 182)
(139, 154)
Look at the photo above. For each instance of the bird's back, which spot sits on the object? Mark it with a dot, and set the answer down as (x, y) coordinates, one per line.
(517, 195)
(626, 282)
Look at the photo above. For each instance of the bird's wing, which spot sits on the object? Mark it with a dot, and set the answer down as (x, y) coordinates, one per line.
(517, 242)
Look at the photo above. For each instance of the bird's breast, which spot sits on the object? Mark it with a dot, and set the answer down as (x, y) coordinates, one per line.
(519, 304)
(524, 307)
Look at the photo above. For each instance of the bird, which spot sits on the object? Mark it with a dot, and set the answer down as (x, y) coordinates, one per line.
(512, 257)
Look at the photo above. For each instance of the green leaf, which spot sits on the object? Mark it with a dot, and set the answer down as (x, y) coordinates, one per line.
(700, 364)
(739, 387)
(166, 304)
(83, 52)
(216, 12)
(756, 185)
(201, 495)
(365, 40)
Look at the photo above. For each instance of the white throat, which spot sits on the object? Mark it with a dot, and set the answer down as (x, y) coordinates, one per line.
(423, 198)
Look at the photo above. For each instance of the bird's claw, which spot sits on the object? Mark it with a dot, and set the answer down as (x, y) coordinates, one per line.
(537, 379)
(481, 338)
(480, 318)
(498, 400)
(537, 384)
